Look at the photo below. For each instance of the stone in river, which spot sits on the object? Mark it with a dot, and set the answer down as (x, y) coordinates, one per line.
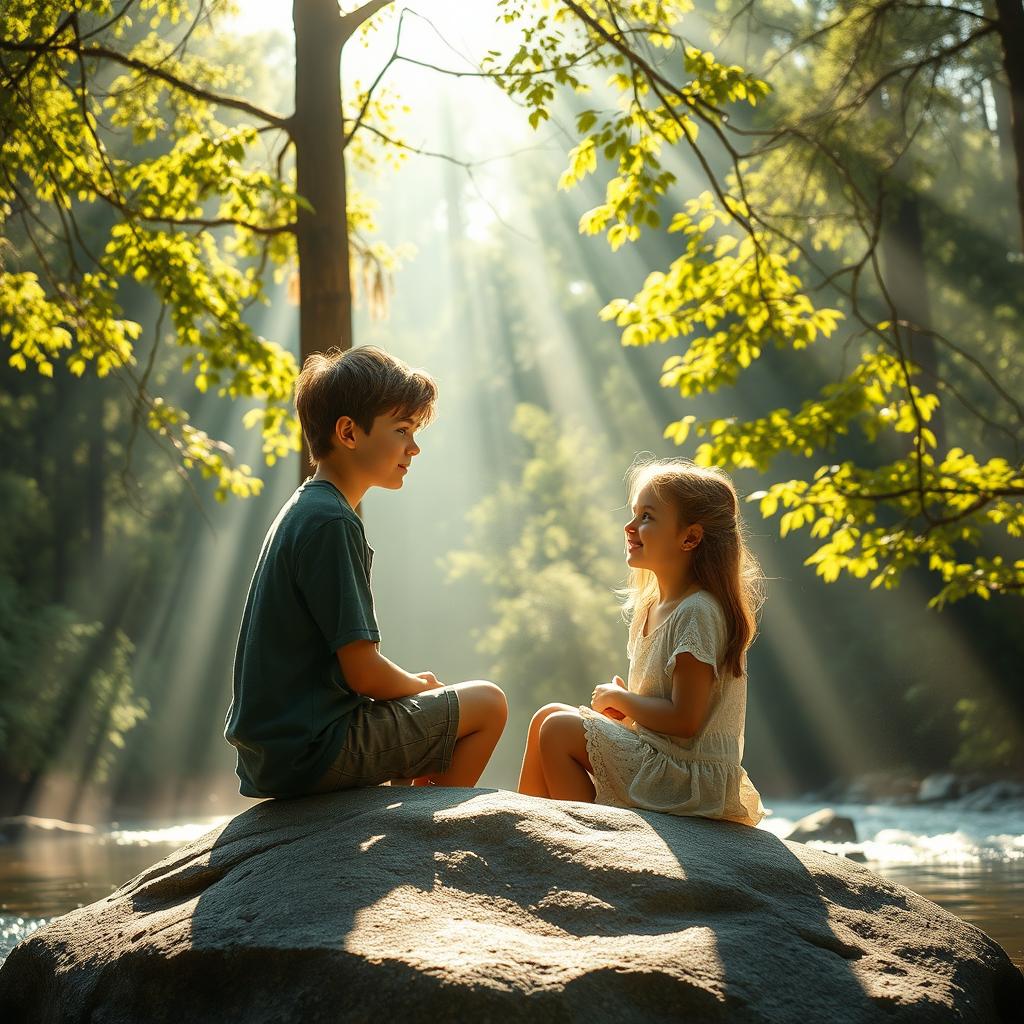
(435, 904)
(1002, 795)
(824, 826)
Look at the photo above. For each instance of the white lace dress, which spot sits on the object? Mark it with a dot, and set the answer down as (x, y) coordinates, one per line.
(702, 776)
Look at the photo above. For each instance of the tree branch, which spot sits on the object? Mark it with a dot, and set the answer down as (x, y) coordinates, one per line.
(351, 22)
(373, 85)
(105, 53)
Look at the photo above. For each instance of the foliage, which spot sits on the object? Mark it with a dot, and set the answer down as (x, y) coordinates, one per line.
(737, 287)
(66, 689)
(197, 205)
(85, 550)
(779, 251)
(989, 738)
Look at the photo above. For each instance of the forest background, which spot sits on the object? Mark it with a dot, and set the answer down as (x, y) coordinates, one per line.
(122, 578)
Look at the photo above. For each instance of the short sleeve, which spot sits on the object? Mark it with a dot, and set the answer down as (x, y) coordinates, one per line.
(333, 574)
(699, 630)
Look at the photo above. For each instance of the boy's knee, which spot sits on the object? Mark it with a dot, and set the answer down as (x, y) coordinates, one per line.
(490, 699)
(496, 695)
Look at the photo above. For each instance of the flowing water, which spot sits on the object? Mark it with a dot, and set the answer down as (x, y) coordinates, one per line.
(970, 862)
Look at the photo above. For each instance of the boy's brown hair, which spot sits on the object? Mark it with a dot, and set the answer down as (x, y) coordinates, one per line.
(361, 383)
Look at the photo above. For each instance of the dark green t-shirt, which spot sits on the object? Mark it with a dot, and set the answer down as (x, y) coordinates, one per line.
(310, 595)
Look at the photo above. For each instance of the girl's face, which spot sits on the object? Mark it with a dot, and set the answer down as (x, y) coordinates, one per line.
(655, 539)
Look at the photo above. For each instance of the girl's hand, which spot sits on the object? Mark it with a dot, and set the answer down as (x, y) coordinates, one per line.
(429, 678)
(614, 712)
(604, 697)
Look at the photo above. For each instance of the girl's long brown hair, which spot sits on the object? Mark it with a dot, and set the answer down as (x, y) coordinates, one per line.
(722, 562)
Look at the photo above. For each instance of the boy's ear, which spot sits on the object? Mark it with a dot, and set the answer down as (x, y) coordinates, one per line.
(345, 432)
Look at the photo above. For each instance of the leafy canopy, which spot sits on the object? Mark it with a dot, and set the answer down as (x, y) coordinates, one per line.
(738, 284)
(122, 116)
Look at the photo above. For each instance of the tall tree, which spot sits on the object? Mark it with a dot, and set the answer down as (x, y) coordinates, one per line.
(69, 83)
(1009, 23)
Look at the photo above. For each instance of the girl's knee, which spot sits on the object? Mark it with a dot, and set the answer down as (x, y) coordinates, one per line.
(547, 711)
(558, 727)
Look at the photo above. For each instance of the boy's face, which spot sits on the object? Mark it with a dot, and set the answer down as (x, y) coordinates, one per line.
(384, 454)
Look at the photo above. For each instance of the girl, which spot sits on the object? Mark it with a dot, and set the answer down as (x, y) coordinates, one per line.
(672, 739)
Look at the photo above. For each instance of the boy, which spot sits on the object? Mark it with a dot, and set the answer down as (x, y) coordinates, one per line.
(315, 705)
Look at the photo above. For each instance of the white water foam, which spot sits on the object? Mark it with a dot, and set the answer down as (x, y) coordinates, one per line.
(916, 835)
(14, 929)
(174, 834)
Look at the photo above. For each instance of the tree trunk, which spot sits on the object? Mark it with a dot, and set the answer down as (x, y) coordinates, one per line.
(1004, 131)
(902, 245)
(63, 522)
(1011, 34)
(1004, 114)
(325, 291)
(96, 483)
(907, 283)
(103, 713)
(318, 131)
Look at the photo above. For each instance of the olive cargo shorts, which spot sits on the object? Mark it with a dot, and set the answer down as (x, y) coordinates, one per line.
(402, 738)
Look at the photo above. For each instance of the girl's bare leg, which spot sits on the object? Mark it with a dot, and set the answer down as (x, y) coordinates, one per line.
(563, 751)
(483, 712)
(531, 776)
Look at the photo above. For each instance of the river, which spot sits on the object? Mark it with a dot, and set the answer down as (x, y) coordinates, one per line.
(970, 862)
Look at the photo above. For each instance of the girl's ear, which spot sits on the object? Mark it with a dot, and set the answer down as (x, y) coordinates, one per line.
(345, 431)
(693, 536)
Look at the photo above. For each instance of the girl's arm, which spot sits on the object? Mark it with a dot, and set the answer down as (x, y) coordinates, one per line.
(681, 715)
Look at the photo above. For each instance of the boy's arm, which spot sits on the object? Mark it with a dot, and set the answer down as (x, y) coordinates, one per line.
(368, 672)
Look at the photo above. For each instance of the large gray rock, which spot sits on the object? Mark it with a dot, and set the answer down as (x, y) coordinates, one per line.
(443, 904)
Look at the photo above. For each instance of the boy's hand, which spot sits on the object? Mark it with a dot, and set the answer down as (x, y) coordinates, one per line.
(429, 678)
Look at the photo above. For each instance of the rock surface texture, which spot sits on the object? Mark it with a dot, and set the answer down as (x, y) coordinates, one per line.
(444, 904)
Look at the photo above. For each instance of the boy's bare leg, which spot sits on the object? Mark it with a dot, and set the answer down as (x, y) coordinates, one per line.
(531, 776)
(483, 711)
(563, 751)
